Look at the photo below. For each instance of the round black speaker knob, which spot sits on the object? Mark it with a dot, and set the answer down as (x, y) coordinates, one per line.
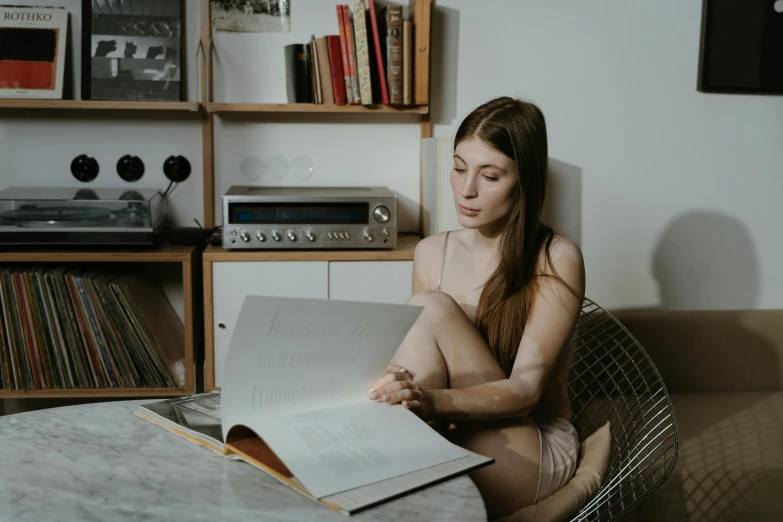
(176, 168)
(130, 168)
(84, 168)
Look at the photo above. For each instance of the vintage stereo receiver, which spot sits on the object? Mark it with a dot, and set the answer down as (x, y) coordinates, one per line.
(309, 218)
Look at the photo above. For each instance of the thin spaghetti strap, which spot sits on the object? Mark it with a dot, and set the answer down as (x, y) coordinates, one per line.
(443, 265)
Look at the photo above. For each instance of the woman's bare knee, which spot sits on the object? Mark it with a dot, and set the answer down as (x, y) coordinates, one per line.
(434, 302)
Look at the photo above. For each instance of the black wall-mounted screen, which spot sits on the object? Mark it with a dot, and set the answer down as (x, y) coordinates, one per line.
(741, 46)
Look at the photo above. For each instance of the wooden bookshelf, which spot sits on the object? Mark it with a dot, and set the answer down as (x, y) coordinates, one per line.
(91, 105)
(315, 108)
(186, 256)
(404, 252)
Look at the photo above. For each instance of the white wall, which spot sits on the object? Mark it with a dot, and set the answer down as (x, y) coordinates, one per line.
(682, 192)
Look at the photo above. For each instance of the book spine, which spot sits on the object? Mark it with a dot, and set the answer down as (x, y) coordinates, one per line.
(351, 53)
(336, 67)
(362, 52)
(344, 51)
(298, 85)
(407, 70)
(325, 70)
(395, 54)
(378, 53)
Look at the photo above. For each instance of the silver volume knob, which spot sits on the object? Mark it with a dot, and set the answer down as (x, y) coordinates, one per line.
(309, 235)
(381, 214)
(276, 235)
(291, 235)
(245, 236)
(260, 236)
(367, 236)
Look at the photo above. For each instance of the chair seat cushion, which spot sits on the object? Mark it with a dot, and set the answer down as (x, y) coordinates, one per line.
(730, 465)
(566, 502)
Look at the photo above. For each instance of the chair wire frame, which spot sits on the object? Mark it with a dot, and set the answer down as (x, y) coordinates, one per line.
(613, 379)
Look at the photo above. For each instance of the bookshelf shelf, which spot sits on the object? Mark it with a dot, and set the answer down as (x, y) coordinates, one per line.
(99, 105)
(161, 254)
(76, 393)
(404, 252)
(315, 108)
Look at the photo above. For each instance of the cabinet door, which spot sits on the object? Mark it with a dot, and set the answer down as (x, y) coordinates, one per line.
(370, 281)
(232, 281)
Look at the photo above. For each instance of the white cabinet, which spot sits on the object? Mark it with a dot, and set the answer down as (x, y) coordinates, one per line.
(372, 281)
(232, 281)
(369, 281)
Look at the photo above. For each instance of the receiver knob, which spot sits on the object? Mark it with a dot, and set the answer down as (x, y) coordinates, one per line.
(261, 237)
(291, 235)
(245, 236)
(381, 214)
(310, 236)
(276, 235)
(367, 236)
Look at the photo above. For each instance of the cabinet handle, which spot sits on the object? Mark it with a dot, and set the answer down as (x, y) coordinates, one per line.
(222, 325)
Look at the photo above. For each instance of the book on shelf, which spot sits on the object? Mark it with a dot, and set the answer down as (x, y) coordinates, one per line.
(377, 59)
(32, 51)
(295, 404)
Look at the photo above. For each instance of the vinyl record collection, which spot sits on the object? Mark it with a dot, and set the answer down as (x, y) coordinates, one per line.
(74, 327)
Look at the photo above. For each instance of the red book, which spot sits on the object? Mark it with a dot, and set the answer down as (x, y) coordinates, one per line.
(344, 50)
(336, 65)
(378, 53)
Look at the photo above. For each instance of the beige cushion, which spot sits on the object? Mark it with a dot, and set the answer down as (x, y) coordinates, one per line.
(566, 502)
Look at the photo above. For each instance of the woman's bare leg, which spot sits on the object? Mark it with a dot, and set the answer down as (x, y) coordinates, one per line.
(444, 349)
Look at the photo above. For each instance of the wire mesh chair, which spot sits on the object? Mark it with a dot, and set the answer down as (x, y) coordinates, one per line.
(613, 379)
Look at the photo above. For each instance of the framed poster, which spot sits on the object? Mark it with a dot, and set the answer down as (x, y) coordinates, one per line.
(32, 51)
(741, 47)
(132, 50)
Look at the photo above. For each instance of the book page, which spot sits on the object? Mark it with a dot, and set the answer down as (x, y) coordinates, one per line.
(289, 355)
(331, 450)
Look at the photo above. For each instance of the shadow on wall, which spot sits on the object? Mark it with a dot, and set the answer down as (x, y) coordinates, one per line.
(706, 261)
(444, 64)
(563, 203)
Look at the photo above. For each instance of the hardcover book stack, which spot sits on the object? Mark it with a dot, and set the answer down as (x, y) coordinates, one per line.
(370, 59)
(85, 328)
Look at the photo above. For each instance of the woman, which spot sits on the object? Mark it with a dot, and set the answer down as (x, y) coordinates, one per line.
(489, 355)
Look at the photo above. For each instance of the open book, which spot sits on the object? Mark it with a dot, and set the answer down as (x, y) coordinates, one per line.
(295, 404)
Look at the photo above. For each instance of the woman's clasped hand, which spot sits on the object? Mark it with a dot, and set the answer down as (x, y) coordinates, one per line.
(398, 386)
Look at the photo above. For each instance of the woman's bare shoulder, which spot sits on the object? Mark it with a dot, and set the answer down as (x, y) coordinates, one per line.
(430, 249)
(564, 249)
(566, 260)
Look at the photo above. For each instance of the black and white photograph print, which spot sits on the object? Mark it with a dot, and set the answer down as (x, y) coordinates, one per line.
(251, 16)
(135, 49)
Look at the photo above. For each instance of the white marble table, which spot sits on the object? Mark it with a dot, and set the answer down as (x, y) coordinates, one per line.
(98, 462)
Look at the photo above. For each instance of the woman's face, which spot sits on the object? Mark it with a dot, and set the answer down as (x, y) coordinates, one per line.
(484, 181)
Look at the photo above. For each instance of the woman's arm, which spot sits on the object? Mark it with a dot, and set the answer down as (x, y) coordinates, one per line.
(548, 330)
(554, 313)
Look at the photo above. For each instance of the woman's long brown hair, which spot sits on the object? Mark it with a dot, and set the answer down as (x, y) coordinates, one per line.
(517, 129)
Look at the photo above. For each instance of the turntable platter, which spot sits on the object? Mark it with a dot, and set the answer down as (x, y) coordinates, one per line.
(56, 216)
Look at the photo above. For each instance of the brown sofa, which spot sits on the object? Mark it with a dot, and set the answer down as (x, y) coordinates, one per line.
(724, 370)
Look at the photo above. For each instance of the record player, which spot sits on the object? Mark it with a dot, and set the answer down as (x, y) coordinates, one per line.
(73, 216)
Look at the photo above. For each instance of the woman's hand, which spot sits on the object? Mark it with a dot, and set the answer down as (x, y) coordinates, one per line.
(398, 387)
